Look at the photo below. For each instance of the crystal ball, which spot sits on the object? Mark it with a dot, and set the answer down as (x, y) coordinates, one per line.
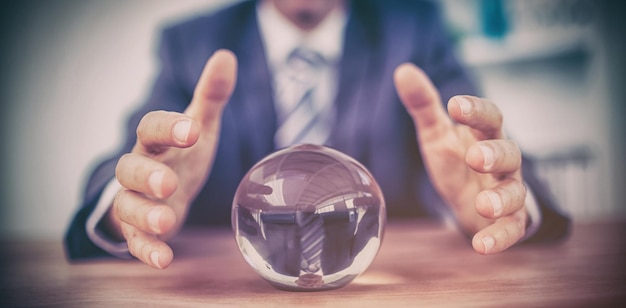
(308, 218)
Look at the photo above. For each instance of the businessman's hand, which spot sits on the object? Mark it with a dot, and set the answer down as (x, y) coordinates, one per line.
(471, 164)
(169, 164)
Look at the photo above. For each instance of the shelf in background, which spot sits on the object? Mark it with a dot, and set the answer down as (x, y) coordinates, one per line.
(477, 51)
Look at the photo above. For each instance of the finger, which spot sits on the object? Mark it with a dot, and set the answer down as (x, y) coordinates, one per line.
(145, 175)
(479, 114)
(145, 214)
(494, 156)
(161, 129)
(214, 88)
(422, 102)
(505, 199)
(502, 234)
(147, 248)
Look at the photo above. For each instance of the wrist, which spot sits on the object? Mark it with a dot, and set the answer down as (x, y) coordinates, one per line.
(112, 225)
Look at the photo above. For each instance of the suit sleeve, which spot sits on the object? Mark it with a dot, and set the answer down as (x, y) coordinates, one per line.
(166, 94)
(555, 225)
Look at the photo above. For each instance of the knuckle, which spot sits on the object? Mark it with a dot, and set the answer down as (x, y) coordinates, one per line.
(522, 232)
(138, 175)
(147, 123)
(122, 164)
(129, 206)
(494, 112)
(515, 153)
(520, 218)
(518, 194)
(119, 204)
(520, 188)
(144, 249)
(141, 127)
(130, 234)
(506, 236)
(155, 129)
(513, 195)
(521, 227)
(499, 118)
(134, 246)
(119, 198)
(515, 230)
(138, 246)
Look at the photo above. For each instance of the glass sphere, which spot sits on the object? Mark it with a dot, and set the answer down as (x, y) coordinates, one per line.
(308, 218)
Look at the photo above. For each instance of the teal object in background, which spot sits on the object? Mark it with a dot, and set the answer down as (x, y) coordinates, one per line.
(494, 18)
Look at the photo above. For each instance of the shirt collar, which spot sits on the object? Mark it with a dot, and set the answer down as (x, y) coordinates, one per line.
(280, 36)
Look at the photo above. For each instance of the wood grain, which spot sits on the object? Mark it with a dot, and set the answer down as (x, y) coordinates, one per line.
(421, 263)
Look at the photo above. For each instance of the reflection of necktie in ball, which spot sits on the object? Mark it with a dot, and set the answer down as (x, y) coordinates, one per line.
(300, 119)
(311, 241)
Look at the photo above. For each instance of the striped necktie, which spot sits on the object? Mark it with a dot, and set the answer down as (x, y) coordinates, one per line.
(300, 118)
(311, 241)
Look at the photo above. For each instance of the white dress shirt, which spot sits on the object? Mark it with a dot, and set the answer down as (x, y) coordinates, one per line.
(281, 37)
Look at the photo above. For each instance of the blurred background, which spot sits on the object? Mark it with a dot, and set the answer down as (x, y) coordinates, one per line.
(73, 70)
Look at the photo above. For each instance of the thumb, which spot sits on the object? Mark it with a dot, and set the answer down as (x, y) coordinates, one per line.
(214, 88)
(421, 100)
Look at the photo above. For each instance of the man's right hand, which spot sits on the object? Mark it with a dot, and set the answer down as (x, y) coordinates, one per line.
(169, 164)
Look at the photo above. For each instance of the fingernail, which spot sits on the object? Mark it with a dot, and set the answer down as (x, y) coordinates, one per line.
(154, 256)
(496, 203)
(155, 181)
(465, 105)
(488, 157)
(181, 130)
(488, 242)
(153, 220)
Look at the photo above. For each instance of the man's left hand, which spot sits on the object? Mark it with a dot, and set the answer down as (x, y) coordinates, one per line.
(472, 165)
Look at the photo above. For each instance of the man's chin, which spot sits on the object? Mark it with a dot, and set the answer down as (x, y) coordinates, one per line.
(307, 20)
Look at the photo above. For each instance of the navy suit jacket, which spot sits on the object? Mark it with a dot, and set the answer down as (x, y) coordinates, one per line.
(373, 126)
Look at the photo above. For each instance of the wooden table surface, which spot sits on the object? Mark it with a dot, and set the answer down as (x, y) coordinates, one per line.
(421, 264)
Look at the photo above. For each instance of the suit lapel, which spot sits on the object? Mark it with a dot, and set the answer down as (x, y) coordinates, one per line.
(358, 75)
(253, 98)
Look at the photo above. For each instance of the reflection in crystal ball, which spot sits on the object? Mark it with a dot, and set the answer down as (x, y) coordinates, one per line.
(308, 218)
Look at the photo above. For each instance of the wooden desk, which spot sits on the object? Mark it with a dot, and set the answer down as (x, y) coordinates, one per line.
(421, 263)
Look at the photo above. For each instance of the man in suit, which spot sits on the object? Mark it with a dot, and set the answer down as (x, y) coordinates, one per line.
(390, 69)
